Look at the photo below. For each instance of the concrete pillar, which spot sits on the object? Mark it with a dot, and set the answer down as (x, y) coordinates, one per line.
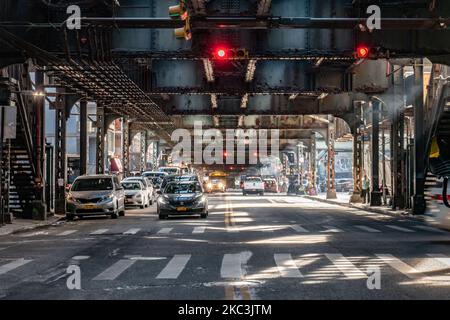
(143, 151)
(83, 137)
(331, 190)
(375, 195)
(126, 146)
(312, 165)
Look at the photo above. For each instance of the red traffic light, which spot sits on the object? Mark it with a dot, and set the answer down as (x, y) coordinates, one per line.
(221, 53)
(362, 52)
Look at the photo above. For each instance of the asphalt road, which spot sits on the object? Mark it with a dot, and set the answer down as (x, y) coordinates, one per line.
(270, 247)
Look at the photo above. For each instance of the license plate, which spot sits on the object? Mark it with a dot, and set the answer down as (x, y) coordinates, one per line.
(89, 206)
(182, 209)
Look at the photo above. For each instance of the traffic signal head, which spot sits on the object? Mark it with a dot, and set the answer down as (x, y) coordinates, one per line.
(230, 53)
(362, 52)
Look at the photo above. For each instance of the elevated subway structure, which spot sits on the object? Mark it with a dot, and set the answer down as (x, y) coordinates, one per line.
(300, 75)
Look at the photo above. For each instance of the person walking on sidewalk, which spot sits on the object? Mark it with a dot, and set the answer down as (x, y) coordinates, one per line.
(365, 189)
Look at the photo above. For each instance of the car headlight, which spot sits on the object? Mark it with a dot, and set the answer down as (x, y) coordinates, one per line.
(108, 197)
(163, 200)
(71, 198)
(138, 196)
(200, 199)
(220, 185)
(209, 185)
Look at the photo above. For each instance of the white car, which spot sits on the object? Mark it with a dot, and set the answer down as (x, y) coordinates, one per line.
(148, 189)
(253, 185)
(135, 193)
(438, 215)
(170, 170)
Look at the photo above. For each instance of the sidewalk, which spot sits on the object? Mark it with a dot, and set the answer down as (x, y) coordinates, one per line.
(343, 199)
(23, 225)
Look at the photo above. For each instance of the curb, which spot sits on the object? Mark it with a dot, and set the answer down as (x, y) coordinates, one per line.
(402, 214)
(38, 226)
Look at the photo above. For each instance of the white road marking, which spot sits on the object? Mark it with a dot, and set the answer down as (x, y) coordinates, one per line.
(345, 266)
(132, 231)
(441, 258)
(298, 228)
(286, 266)
(115, 270)
(232, 265)
(78, 258)
(400, 266)
(199, 230)
(332, 229)
(367, 229)
(165, 231)
(99, 231)
(66, 233)
(430, 229)
(13, 265)
(399, 228)
(175, 266)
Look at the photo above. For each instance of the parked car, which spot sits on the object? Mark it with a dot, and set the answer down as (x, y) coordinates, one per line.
(439, 216)
(95, 195)
(253, 185)
(154, 174)
(134, 193)
(148, 186)
(170, 170)
(182, 198)
(271, 185)
(344, 181)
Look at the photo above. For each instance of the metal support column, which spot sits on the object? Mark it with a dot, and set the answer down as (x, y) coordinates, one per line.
(60, 154)
(375, 195)
(313, 165)
(331, 182)
(419, 139)
(126, 146)
(83, 137)
(101, 143)
(143, 151)
(358, 136)
(40, 136)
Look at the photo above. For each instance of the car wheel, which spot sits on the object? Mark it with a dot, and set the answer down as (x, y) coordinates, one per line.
(204, 215)
(162, 217)
(150, 203)
(122, 213)
(70, 217)
(244, 194)
(114, 215)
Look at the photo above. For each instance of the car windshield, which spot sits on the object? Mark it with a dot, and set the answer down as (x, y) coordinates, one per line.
(136, 179)
(182, 188)
(93, 184)
(170, 170)
(253, 180)
(131, 185)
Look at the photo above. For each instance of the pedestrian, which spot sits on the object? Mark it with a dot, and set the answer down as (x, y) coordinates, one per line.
(365, 189)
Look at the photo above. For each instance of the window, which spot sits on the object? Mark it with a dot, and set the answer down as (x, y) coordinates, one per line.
(93, 184)
(182, 188)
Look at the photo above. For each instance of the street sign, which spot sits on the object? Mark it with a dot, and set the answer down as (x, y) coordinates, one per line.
(10, 122)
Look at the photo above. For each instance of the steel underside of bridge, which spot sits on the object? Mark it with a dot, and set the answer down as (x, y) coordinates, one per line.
(300, 76)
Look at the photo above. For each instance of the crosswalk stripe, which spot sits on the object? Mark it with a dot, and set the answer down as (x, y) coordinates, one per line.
(441, 258)
(345, 266)
(66, 233)
(332, 229)
(115, 270)
(232, 264)
(368, 229)
(13, 265)
(430, 229)
(399, 228)
(401, 266)
(286, 266)
(165, 230)
(298, 228)
(175, 266)
(99, 231)
(132, 231)
(199, 230)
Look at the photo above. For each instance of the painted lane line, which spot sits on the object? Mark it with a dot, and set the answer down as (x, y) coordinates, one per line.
(66, 233)
(286, 266)
(402, 267)
(368, 229)
(441, 258)
(332, 229)
(298, 228)
(199, 230)
(79, 258)
(165, 231)
(115, 270)
(13, 265)
(345, 266)
(132, 231)
(430, 229)
(399, 228)
(175, 266)
(233, 264)
(99, 231)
